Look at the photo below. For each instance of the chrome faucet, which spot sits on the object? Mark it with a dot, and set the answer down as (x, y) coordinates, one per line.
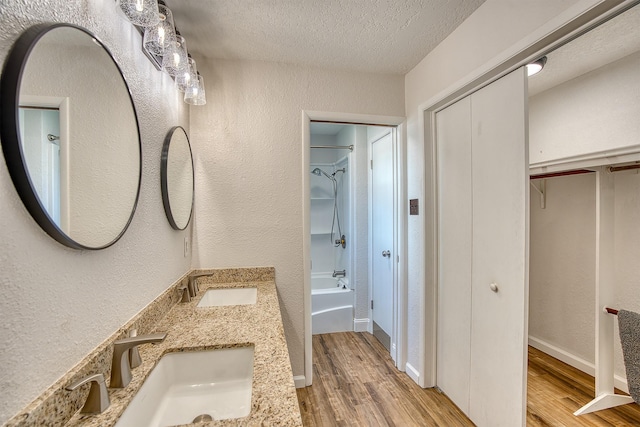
(339, 273)
(98, 398)
(120, 368)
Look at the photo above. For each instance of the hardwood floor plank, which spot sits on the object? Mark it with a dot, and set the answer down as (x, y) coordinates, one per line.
(356, 384)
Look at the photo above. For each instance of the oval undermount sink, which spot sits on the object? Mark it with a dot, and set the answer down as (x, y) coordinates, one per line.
(228, 296)
(188, 385)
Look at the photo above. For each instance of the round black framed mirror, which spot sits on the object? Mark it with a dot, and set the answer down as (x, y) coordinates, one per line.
(70, 135)
(176, 176)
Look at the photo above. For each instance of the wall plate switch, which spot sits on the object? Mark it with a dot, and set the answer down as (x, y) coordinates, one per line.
(413, 207)
(186, 246)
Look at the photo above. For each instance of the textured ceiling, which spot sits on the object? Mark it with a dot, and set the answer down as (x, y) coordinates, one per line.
(613, 40)
(380, 36)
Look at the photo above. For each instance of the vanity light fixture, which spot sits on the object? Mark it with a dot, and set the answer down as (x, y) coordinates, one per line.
(160, 36)
(195, 94)
(188, 77)
(143, 13)
(175, 58)
(536, 66)
(164, 46)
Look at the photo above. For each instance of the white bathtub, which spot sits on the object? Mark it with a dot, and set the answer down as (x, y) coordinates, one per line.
(331, 305)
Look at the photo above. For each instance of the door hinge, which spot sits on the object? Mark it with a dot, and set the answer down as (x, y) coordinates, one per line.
(371, 304)
(371, 164)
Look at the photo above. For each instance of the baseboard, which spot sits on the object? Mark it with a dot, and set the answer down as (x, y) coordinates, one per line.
(573, 360)
(300, 381)
(361, 325)
(413, 373)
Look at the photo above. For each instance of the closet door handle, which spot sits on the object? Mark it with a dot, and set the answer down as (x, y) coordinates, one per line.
(386, 254)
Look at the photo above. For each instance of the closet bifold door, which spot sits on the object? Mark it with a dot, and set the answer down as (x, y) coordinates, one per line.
(500, 255)
(453, 125)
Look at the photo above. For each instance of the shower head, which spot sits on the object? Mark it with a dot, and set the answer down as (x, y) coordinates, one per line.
(320, 172)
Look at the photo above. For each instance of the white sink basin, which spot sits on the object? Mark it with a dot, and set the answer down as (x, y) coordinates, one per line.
(228, 296)
(183, 386)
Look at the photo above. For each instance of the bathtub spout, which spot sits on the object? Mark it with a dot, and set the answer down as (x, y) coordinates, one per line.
(339, 273)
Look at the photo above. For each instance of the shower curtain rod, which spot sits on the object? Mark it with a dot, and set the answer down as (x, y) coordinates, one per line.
(334, 147)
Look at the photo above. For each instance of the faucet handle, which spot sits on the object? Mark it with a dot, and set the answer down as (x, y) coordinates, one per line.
(98, 398)
(186, 295)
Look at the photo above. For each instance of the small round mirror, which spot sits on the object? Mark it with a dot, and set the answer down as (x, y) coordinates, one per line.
(70, 135)
(176, 175)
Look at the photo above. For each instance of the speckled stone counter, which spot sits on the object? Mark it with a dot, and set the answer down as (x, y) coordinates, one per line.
(189, 328)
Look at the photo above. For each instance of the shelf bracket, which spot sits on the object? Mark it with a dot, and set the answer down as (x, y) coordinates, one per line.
(543, 192)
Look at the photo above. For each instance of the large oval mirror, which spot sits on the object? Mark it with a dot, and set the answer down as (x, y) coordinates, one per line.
(176, 173)
(70, 135)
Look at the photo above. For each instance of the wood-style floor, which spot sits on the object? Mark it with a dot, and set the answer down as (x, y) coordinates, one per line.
(356, 384)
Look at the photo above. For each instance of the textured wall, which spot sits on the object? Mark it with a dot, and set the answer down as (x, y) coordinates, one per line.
(491, 32)
(595, 112)
(247, 143)
(562, 265)
(56, 304)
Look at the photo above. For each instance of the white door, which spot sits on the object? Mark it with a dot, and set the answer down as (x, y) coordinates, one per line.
(382, 186)
(500, 268)
(483, 252)
(454, 261)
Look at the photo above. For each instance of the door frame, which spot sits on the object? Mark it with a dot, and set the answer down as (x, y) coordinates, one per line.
(357, 119)
(395, 328)
(561, 30)
(62, 104)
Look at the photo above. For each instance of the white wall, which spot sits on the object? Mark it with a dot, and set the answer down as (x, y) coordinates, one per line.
(595, 112)
(495, 32)
(57, 304)
(247, 143)
(562, 265)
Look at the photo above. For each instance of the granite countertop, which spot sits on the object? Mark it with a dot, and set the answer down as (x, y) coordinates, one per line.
(273, 398)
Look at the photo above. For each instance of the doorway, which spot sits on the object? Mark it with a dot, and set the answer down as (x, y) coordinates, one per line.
(338, 180)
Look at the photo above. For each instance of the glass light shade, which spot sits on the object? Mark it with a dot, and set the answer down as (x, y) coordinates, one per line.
(175, 57)
(140, 12)
(160, 36)
(195, 95)
(188, 77)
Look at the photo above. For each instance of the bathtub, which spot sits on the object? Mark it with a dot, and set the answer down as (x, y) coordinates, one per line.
(331, 305)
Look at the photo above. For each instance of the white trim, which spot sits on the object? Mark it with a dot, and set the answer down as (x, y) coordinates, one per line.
(307, 116)
(573, 360)
(300, 381)
(361, 325)
(412, 372)
(600, 158)
(565, 26)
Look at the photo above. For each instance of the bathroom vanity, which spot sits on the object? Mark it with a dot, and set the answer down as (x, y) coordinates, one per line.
(195, 330)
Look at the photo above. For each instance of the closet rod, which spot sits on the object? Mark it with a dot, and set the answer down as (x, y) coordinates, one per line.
(335, 147)
(623, 168)
(611, 311)
(564, 173)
